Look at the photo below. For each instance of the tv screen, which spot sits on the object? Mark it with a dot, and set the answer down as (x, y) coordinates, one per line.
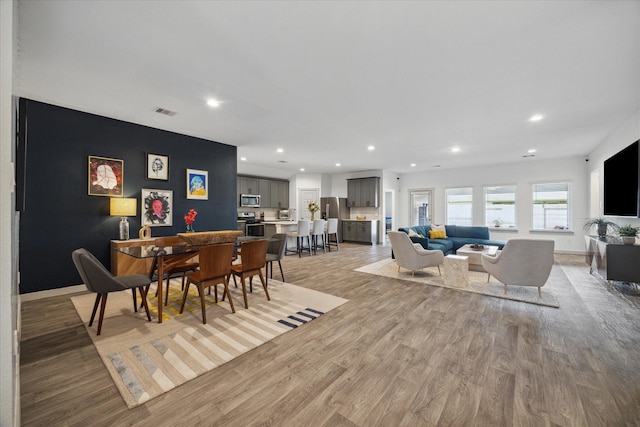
(622, 182)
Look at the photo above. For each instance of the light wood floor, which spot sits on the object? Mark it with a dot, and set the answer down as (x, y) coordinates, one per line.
(397, 354)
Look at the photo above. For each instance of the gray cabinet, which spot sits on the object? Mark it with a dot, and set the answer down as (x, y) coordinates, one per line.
(360, 231)
(612, 260)
(363, 192)
(273, 193)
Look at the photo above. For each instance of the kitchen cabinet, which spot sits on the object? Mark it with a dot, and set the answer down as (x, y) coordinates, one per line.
(360, 231)
(273, 193)
(280, 194)
(363, 192)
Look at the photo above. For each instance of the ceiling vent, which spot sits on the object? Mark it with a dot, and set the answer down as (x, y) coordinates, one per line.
(166, 112)
(282, 161)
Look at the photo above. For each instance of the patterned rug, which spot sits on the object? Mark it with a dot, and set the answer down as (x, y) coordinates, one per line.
(146, 359)
(478, 283)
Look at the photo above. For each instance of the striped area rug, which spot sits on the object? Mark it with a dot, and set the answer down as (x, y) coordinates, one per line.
(146, 359)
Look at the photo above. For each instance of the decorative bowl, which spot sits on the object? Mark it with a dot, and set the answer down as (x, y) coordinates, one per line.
(476, 247)
(200, 238)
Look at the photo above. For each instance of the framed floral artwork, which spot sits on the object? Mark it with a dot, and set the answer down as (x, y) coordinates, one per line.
(106, 177)
(157, 207)
(157, 166)
(197, 184)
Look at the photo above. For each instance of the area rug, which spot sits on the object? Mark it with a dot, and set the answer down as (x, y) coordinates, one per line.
(478, 283)
(146, 359)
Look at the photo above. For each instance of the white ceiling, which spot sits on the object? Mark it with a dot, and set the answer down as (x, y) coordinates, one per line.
(323, 80)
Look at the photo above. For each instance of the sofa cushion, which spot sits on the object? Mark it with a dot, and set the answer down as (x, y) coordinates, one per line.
(445, 245)
(472, 232)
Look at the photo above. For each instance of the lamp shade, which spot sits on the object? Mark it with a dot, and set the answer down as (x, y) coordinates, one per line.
(122, 206)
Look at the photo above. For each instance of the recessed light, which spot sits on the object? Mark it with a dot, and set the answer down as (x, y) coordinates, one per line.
(533, 150)
(413, 165)
(244, 159)
(280, 150)
(338, 164)
(213, 102)
(371, 148)
(536, 118)
(455, 149)
(301, 169)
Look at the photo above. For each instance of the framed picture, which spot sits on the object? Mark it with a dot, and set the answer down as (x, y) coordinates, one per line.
(157, 167)
(106, 177)
(157, 207)
(197, 184)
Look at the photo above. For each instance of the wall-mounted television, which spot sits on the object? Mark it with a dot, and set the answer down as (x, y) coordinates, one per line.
(622, 182)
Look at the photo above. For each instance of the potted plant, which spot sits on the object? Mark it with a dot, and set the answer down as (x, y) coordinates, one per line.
(602, 225)
(628, 234)
(497, 222)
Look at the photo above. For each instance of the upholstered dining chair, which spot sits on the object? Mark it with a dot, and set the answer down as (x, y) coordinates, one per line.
(317, 233)
(275, 253)
(253, 257)
(171, 269)
(99, 280)
(522, 262)
(332, 232)
(413, 256)
(215, 267)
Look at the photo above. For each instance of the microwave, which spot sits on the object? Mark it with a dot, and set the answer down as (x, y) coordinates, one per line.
(250, 200)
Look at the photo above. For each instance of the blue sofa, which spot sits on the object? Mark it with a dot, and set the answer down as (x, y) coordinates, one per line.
(457, 236)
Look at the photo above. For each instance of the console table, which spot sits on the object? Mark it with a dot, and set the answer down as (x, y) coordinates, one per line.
(612, 260)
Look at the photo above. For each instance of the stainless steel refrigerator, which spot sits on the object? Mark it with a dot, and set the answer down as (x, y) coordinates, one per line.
(335, 207)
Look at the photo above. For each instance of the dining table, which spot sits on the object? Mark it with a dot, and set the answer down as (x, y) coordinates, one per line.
(172, 254)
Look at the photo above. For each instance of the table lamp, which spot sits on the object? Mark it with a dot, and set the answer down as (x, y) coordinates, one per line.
(123, 207)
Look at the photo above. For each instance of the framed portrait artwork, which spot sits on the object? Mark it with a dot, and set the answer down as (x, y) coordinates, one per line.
(106, 177)
(157, 207)
(197, 184)
(157, 167)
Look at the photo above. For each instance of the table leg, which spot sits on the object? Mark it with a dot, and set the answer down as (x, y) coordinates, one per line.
(160, 280)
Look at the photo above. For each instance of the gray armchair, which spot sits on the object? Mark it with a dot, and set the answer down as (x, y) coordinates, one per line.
(99, 280)
(522, 262)
(413, 256)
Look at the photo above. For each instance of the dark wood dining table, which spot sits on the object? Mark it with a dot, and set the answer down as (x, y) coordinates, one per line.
(171, 254)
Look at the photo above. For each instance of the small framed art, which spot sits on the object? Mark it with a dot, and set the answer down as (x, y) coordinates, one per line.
(157, 167)
(197, 184)
(157, 207)
(106, 176)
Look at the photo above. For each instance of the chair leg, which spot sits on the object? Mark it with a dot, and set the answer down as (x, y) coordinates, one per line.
(226, 290)
(539, 292)
(488, 277)
(95, 308)
(439, 272)
(166, 292)
(281, 273)
(143, 295)
(202, 304)
(505, 289)
(184, 295)
(244, 292)
(264, 285)
(135, 303)
(103, 304)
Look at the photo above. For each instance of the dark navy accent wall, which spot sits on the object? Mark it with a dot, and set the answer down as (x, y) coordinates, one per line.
(59, 216)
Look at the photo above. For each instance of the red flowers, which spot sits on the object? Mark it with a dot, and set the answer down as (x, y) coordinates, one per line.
(190, 217)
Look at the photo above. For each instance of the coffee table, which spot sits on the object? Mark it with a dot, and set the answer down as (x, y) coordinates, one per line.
(475, 256)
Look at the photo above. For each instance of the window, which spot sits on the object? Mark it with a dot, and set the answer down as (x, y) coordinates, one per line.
(459, 205)
(500, 206)
(551, 206)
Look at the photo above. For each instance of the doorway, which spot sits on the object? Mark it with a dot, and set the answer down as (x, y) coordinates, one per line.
(421, 207)
(389, 208)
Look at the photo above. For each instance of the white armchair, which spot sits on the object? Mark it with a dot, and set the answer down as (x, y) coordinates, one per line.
(522, 262)
(413, 256)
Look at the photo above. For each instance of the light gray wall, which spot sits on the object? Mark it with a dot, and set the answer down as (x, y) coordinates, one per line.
(9, 305)
(522, 174)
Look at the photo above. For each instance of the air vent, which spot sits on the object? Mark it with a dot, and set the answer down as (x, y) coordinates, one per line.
(282, 161)
(529, 155)
(166, 112)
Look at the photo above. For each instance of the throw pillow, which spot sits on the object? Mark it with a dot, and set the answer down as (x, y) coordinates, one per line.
(414, 234)
(440, 228)
(437, 234)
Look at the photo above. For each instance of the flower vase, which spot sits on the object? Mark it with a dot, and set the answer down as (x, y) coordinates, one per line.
(313, 216)
(190, 228)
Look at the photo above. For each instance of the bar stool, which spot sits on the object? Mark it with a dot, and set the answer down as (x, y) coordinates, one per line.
(317, 233)
(332, 230)
(304, 230)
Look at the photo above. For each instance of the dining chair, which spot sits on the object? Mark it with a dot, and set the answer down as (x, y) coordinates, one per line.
(215, 267)
(304, 230)
(317, 233)
(332, 231)
(99, 280)
(275, 252)
(171, 269)
(253, 256)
